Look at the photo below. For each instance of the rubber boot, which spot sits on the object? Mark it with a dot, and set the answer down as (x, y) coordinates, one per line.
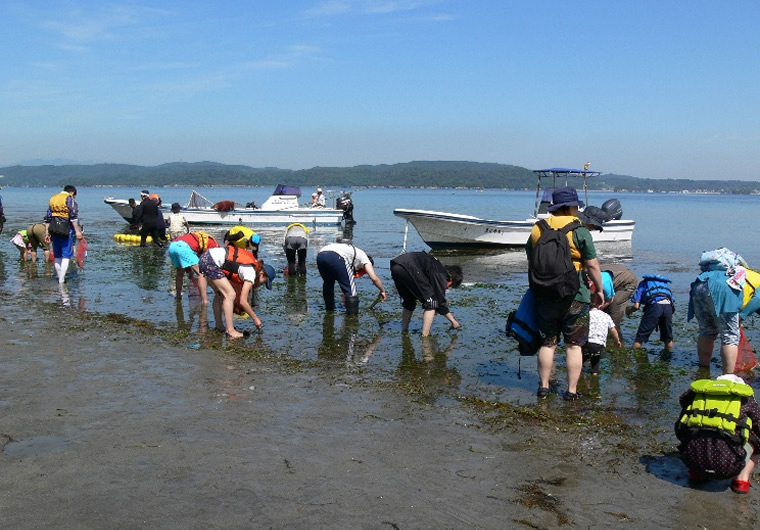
(330, 305)
(352, 305)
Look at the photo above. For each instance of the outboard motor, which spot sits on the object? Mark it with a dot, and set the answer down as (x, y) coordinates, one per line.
(613, 209)
(345, 203)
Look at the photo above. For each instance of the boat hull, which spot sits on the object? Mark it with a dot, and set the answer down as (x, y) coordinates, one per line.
(243, 216)
(442, 230)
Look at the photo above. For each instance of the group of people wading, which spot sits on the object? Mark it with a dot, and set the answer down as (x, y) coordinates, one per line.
(719, 424)
(570, 297)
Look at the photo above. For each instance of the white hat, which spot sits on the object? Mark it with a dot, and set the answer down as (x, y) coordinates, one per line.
(319, 190)
(314, 194)
(731, 377)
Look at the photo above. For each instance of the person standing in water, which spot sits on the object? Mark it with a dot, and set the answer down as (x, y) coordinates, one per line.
(62, 219)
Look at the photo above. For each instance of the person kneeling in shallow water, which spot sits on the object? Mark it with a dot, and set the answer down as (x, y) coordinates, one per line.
(224, 266)
(719, 430)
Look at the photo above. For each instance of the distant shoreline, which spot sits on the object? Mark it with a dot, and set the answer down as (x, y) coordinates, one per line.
(412, 175)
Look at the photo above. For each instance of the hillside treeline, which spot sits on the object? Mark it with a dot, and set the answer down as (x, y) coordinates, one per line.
(411, 174)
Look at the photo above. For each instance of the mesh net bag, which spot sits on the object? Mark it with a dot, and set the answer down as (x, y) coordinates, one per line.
(745, 360)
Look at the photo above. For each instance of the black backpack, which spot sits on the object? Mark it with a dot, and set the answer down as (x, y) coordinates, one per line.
(551, 273)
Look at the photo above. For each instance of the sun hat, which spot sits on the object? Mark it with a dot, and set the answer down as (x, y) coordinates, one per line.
(731, 377)
(319, 190)
(566, 196)
(176, 207)
(592, 218)
(271, 273)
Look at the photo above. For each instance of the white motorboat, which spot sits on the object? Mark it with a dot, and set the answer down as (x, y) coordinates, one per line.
(444, 230)
(281, 208)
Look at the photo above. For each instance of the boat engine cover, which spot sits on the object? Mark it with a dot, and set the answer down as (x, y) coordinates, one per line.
(613, 209)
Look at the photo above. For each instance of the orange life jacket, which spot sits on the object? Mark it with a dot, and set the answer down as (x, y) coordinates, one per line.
(235, 258)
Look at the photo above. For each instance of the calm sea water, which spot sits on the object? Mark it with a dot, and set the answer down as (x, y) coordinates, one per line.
(671, 232)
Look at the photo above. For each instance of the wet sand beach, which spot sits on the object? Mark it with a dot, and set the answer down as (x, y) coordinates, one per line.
(107, 424)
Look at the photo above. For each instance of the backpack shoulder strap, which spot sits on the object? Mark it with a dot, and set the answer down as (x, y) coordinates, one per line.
(570, 226)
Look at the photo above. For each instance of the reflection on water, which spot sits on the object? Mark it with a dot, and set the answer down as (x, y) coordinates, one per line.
(345, 344)
(429, 374)
(296, 302)
(197, 313)
(149, 267)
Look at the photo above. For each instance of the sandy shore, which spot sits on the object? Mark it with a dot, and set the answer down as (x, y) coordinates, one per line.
(105, 426)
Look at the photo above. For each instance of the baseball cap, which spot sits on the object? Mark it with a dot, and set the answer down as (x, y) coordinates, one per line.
(271, 273)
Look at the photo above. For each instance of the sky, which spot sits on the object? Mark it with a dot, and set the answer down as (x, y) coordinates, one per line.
(652, 89)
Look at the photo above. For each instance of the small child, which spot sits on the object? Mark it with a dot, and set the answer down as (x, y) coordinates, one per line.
(599, 323)
(177, 223)
(719, 431)
(21, 241)
(654, 294)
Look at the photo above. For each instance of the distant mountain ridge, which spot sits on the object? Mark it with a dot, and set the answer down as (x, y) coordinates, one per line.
(451, 174)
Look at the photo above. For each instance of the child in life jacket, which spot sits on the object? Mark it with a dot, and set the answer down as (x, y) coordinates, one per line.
(21, 242)
(229, 265)
(654, 294)
(719, 430)
(599, 325)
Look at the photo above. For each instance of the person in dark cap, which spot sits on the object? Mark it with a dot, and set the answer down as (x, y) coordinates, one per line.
(567, 315)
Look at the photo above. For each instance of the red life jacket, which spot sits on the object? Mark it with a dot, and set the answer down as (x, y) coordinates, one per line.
(235, 258)
(199, 242)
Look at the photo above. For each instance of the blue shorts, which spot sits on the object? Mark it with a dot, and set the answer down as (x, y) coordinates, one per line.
(63, 247)
(711, 325)
(182, 255)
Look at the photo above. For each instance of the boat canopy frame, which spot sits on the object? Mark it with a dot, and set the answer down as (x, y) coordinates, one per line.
(560, 173)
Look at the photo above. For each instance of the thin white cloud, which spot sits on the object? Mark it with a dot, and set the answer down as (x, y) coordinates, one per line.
(331, 8)
(176, 65)
(79, 29)
(367, 7)
(287, 59)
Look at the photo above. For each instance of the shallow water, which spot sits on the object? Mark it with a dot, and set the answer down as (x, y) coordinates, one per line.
(479, 360)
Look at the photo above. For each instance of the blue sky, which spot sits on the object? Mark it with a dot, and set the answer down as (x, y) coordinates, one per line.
(660, 89)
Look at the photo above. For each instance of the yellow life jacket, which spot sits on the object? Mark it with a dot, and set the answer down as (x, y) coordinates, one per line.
(58, 205)
(205, 241)
(751, 284)
(296, 226)
(717, 406)
(557, 222)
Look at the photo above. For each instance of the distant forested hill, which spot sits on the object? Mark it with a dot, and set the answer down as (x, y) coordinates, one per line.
(411, 174)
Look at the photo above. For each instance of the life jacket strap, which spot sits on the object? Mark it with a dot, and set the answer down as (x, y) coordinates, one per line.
(741, 430)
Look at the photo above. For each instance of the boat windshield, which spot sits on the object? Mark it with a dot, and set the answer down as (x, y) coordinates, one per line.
(564, 176)
(283, 189)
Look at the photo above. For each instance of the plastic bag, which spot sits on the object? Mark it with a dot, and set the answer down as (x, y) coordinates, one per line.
(745, 360)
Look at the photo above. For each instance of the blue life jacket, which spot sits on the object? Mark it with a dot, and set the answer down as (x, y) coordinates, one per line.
(656, 289)
(521, 325)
